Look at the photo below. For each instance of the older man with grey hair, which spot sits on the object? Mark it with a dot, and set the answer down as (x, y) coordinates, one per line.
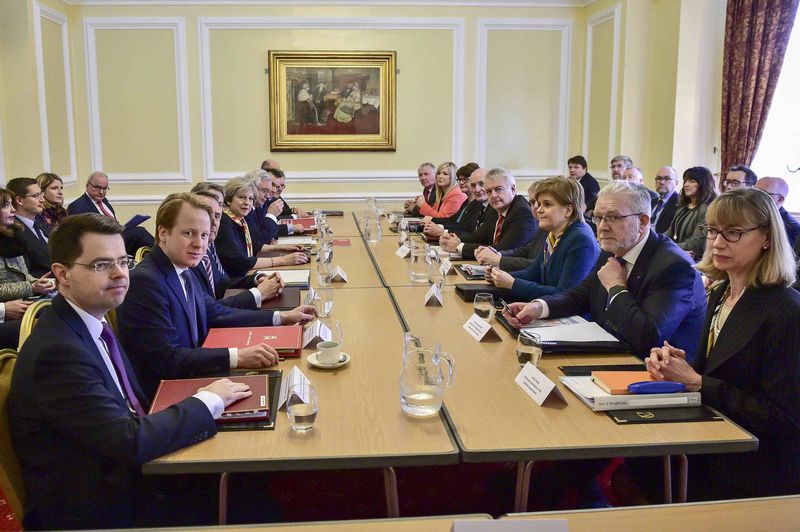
(644, 289)
(264, 216)
(634, 175)
(508, 224)
(618, 165)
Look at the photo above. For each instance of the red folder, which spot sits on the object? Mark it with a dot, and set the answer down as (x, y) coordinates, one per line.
(253, 408)
(286, 339)
(309, 224)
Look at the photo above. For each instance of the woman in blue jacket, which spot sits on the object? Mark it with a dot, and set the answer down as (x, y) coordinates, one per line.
(570, 251)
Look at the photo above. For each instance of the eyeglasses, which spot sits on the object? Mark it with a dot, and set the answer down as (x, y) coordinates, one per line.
(612, 219)
(732, 183)
(101, 189)
(462, 179)
(663, 178)
(37, 195)
(105, 266)
(731, 235)
(778, 197)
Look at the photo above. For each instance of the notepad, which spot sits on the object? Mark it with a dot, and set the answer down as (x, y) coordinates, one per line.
(296, 240)
(298, 278)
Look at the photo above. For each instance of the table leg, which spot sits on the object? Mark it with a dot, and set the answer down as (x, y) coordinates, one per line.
(683, 477)
(667, 479)
(223, 498)
(390, 487)
(523, 486)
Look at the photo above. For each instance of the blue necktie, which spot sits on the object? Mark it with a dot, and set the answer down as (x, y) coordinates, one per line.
(192, 305)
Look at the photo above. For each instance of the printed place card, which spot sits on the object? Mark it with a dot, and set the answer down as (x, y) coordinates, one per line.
(316, 332)
(480, 329)
(403, 251)
(311, 296)
(536, 384)
(434, 297)
(339, 276)
(295, 376)
(447, 267)
(403, 236)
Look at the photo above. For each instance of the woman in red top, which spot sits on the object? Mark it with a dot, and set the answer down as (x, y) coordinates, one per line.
(449, 197)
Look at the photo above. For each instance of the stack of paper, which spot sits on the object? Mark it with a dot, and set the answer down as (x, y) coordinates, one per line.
(296, 240)
(579, 330)
(298, 278)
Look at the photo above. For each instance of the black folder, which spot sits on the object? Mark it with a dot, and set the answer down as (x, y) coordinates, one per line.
(664, 415)
(467, 291)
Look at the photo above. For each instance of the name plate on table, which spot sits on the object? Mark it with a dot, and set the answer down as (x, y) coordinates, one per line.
(295, 376)
(480, 329)
(339, 275)
(434, 297)
(538, 525)
(403, 251)
(447, 267)
(316, 332)
(536, 384)
(403, 237)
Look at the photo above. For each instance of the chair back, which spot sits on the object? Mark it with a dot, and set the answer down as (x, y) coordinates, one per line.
(29, 320)
(140, 253)
(10, 470)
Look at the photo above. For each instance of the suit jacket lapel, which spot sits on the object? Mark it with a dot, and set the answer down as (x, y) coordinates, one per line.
(642, 265)
(743, 322)
(166, 267)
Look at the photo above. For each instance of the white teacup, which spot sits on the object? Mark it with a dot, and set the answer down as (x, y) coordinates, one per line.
(329, 352)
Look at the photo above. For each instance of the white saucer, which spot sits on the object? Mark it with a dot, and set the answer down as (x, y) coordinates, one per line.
(344, 359)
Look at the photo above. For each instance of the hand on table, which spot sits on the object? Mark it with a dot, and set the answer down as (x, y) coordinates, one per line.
(257, 356)
(488, 256)
(302, 314)
(522, 313)
(228, 391)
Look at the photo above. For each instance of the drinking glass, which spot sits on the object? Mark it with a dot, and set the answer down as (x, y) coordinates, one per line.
(302, 405)
(435, 275)
(373, 231)
(324, 273)
(337, 333)
(529, 348)
(484, 306)
(323, 301)
(420, 262)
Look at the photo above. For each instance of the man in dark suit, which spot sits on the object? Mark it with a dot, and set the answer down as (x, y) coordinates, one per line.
(578, 170)
(643, 290)
(778, 189)
(28, 203)
(634, 175)
(471, 214)
(508, 224)
(94, 200)
(426, 172)
(266, 212)
(167, 301)
(215, 280)
(76, 411)
(667, 203)
(278, 186)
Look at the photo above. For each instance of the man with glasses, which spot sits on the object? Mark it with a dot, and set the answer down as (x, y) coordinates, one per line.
(28, 203)
(94, 200)
(471, 216)
(644, 289)
(739, 176)
(77, 416)
(278, 186)
(618, 166)
(667, 202)
(778, 189)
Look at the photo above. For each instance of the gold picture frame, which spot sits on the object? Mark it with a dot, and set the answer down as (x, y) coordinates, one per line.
(332, 101)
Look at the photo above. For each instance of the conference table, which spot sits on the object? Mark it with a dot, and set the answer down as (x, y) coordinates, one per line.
(486, 416)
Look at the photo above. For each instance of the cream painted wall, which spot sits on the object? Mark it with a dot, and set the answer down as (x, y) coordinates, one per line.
(138, 102)
(55, 97)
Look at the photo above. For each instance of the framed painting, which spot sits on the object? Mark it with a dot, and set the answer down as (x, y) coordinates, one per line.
(332, 101)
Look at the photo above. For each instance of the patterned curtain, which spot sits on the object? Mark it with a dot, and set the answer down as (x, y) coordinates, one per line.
(756, 36)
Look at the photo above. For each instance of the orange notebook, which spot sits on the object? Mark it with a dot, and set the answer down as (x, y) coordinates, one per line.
(286, 339)
(616, 382)
(253, 408)
(309, 224)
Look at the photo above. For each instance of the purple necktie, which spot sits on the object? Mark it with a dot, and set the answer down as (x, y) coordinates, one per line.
(113, 352)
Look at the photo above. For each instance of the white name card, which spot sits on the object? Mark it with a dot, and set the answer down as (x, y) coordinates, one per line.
(403, 236)
(295, 376)
(434, 297)
(479, 328)
(311, 295)
(339, 276)
(536, 384)
(316, 332)
(447, 267)
(403, 251)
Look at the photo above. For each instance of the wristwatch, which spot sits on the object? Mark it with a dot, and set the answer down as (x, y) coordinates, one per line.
(614, 290)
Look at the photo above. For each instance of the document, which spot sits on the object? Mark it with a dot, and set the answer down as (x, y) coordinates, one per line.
(296, 240)
(291, 277)
(588, 331)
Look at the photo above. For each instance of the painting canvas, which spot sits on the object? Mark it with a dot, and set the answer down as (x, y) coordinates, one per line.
(332, 101)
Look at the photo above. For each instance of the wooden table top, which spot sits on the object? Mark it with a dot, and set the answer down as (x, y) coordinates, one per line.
(343, 226)
(360, 423)
(770, 513)
(495, 420)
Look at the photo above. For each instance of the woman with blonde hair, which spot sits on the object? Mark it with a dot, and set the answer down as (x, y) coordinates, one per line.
(748, 363)
(570, 250)
(449, 197)
(238, 245)
(52, 187)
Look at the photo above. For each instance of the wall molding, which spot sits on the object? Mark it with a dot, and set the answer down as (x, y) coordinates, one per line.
(177, 26)
(614, 14)
(2, 155)
(43, 12)
(394, 3)
(321, 197)
(208, 24)
(485, 25)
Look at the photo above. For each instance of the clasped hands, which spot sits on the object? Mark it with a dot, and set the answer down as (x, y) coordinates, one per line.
(449, 242)
(669, 363)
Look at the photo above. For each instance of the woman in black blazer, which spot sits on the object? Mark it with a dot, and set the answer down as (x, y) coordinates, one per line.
(237, 245)
(751, 342)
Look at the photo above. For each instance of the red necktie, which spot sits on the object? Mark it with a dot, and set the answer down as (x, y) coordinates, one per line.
(498, 228)
(104, 210)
